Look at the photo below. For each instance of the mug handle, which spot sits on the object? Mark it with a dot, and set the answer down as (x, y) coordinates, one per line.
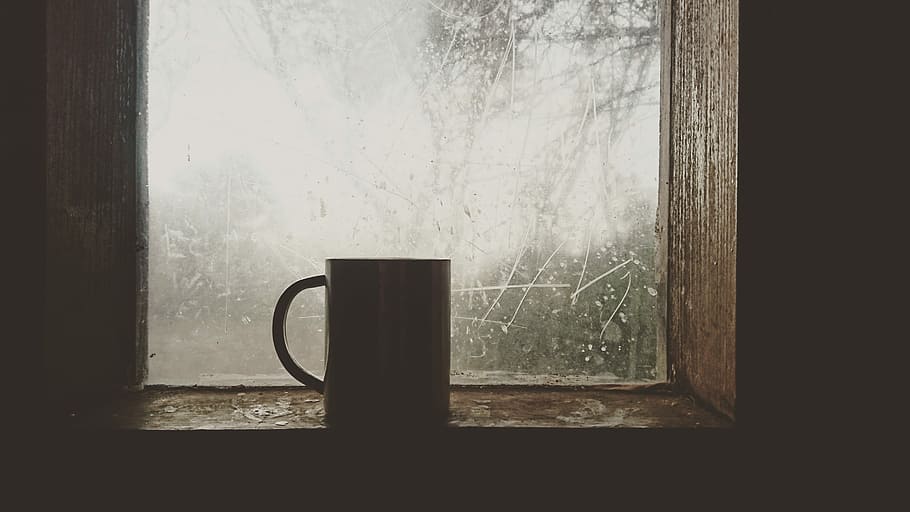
(279, 336)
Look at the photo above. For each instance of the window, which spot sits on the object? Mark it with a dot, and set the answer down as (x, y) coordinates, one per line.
(518, 138)
(96, 225)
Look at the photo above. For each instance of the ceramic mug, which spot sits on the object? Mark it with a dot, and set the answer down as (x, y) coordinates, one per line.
(387, 338)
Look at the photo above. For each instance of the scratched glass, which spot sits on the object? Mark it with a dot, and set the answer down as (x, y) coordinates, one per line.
(518, 138)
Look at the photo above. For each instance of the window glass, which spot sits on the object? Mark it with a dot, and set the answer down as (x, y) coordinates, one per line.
(518, 138)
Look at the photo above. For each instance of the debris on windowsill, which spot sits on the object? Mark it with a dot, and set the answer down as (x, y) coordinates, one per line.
(470, 406)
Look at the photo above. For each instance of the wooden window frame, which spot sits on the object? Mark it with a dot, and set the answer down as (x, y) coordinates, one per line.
(97, 199)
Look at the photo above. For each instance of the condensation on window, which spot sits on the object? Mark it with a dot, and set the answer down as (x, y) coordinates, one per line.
(518, 138)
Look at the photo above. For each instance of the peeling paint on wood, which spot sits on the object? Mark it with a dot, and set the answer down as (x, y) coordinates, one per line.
(297, 408)
(703, 117)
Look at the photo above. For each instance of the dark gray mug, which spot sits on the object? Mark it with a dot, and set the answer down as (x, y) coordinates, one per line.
(387, 335)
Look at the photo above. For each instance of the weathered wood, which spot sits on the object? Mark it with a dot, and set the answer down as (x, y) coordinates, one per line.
(703, 116)
(91, 308)
(301, 408)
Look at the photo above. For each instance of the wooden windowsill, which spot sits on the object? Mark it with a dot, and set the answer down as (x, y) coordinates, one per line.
(476, 406)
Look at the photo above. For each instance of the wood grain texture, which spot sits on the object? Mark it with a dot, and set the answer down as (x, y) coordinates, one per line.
(704, 78)
(301, 408)
(91, 307)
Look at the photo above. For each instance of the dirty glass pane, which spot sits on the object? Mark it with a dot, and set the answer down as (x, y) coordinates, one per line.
(518, 138)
